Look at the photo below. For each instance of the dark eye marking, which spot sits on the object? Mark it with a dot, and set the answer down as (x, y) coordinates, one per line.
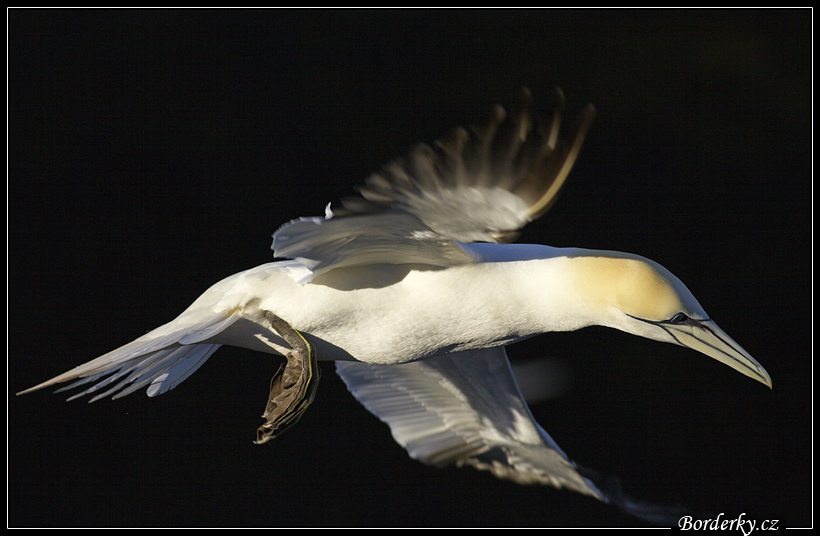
(679, 318)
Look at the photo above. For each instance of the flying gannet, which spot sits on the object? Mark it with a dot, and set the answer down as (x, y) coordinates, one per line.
(412, 288)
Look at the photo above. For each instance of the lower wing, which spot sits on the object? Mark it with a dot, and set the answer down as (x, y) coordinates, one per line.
(466, 409)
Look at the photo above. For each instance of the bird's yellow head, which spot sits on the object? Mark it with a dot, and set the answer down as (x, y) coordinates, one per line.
(639, 296)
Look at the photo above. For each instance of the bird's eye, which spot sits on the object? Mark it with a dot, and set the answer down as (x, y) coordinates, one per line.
(679, 318)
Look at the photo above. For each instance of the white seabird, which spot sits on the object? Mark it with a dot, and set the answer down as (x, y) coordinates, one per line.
(412, 289)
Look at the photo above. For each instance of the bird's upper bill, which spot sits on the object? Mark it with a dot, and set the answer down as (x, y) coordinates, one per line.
(706, 337)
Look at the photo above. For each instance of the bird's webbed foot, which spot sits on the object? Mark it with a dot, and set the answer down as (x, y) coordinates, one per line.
(293, 386)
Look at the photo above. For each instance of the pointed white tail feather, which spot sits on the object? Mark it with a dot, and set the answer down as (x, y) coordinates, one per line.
(163, 370)
(161, 359)
(133, 372)
(180, 371)
(149, 374)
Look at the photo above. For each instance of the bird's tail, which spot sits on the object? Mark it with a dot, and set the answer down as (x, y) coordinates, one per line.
(160, 360)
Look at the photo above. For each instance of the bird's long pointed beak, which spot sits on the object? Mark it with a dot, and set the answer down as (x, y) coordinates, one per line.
(707, 338)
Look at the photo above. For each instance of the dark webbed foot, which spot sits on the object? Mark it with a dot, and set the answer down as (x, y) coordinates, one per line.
(293, 386)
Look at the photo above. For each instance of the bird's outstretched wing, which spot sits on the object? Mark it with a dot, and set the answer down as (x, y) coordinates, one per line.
(466, 409)
(477, 185)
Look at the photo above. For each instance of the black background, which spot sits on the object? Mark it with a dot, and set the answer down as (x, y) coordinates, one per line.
(152, 153)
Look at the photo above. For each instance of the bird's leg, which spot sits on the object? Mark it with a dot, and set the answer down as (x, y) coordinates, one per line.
(293, 386)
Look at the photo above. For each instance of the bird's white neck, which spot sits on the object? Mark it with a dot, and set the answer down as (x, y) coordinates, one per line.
(570, 288)
(544, 289)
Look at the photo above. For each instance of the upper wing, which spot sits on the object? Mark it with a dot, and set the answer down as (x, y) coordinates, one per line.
(464, 408)
(478, 185)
